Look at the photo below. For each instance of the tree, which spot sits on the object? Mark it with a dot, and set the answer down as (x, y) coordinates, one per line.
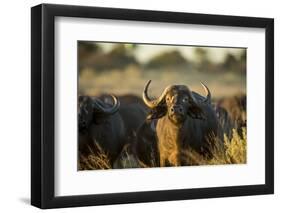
(86, 49)
(202, 58)
(230, 62)
(121, 56)
(167, 59)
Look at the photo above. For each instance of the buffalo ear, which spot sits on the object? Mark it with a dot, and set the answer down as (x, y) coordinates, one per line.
(196, 112)
(98, 118)
(81, 98)
(157, 112)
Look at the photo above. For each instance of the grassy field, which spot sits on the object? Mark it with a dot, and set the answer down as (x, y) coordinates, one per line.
(132, 80)
(233, 152)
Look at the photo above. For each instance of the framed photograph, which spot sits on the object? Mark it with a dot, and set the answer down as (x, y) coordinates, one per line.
(139, 106)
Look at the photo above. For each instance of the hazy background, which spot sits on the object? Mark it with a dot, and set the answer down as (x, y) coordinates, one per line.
(122, 68)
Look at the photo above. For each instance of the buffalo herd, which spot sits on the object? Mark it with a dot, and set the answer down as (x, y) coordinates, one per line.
(156, 132)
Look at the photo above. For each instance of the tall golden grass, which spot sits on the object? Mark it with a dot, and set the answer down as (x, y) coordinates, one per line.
(233, 151)
(95, 160)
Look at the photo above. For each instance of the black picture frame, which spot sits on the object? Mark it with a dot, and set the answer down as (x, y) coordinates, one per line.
(43, 102)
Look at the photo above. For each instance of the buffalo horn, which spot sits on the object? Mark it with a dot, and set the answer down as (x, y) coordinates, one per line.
(108, 110)
(207, 91)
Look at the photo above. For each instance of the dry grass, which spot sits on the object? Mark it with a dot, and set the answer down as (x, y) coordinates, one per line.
(132, 80)
(95, 160)
(233, 151)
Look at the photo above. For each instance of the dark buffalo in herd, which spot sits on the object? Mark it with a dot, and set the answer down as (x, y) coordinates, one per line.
(232, 113)
(146, 148)
(100, 127)
(154, 131)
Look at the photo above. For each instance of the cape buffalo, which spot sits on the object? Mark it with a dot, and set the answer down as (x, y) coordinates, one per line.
(132, 110)
(141, 131)
(185, 120)
(133, 116)
(146, 148)
(100, 127)
(131, 99)
(235, 107)
(226, 123)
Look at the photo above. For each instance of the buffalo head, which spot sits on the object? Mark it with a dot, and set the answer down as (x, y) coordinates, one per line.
(92, 109)
(177, 102)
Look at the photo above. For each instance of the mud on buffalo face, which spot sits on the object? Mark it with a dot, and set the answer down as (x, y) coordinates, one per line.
(177, 102)
(92, 109)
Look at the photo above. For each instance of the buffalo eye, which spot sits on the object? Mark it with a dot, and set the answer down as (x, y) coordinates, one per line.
(185, 99)
(168, 99)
